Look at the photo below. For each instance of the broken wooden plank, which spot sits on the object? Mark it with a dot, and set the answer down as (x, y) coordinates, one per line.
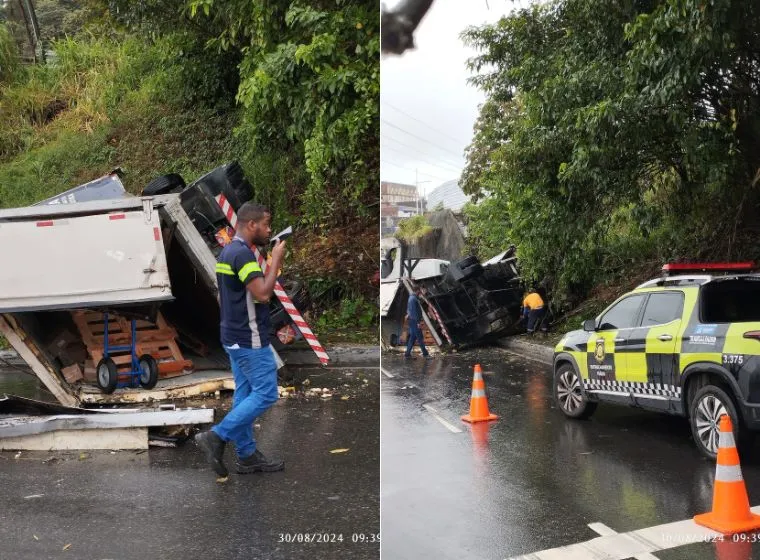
(176, 388)
(26, 350)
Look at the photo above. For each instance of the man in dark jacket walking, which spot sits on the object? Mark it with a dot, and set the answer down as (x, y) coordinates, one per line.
(414, 319)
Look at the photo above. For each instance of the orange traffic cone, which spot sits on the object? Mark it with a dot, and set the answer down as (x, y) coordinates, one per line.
(730, 511)
(478, 402)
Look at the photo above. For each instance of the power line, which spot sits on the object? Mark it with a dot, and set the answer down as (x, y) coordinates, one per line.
(419, 138)
(391, 139)
(401, 152)
(420, 121)
(407, 169)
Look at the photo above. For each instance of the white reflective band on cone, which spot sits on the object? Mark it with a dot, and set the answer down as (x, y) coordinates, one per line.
(725, 473)
(478, 393)
(726, 440)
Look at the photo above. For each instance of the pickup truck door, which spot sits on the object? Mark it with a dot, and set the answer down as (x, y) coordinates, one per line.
(652, 370)
(607, 358)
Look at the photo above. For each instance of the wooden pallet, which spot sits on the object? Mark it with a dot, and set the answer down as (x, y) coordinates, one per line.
(426, 335)
(157, 339)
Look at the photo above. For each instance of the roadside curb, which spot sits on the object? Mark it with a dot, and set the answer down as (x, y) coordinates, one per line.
(533, 350)
(353, 355)
(11, 357)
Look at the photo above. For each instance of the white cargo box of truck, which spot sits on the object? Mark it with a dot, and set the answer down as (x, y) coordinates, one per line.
(130, 256)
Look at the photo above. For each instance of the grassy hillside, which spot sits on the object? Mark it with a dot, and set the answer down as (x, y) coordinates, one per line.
(160, 106)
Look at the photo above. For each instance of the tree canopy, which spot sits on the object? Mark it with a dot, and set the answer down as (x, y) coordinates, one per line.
(616, 133)
(308, 83)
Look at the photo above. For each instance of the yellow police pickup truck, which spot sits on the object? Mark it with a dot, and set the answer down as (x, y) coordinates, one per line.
(686, 344)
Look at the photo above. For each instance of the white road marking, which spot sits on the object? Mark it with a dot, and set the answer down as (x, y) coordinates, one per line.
(387, 373)
(603, 530)
(442, 420)
(620, 546)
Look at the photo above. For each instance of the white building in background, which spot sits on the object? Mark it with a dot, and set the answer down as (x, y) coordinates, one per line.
(449, 195)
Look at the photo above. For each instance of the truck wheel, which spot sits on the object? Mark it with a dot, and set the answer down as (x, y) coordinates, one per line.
(705, 410)
(164, 184)
(148, 371)
(107, 375)
(568, 394)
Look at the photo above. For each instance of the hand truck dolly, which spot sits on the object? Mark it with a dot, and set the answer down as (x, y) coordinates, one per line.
(143, 369)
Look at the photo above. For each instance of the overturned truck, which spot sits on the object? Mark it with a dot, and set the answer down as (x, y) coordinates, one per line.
(464, 303)
(102, 290)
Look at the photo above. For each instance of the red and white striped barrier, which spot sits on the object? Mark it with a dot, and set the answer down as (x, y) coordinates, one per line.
(290, 309)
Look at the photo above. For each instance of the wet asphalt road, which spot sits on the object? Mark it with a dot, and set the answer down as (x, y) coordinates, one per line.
(165, 503)
(532, 480)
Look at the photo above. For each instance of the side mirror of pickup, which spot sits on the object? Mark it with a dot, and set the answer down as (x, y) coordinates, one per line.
(589, 325)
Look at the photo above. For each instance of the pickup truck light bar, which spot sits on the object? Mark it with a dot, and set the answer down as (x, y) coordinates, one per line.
(671, 268)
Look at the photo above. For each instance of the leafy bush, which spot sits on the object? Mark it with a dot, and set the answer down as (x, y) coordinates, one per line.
(411, 229)
(352, 312)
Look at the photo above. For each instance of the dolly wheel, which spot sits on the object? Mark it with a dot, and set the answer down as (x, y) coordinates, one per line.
(107, 374)
(148, 371)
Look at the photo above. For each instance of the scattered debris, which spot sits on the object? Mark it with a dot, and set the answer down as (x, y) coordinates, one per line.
(66, 547)
(33, 496)
(222, 479)
(36, 538)
(83, 456)
(341, 450)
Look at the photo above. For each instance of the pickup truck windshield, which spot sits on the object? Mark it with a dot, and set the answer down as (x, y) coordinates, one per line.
(731, 301)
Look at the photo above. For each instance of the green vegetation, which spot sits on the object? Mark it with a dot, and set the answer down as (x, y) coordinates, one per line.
(609, 145)
(411, 229)
(288, 88)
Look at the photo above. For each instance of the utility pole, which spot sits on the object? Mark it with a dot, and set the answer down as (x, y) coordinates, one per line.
(32, 28)
(417, 184)
(417, 189)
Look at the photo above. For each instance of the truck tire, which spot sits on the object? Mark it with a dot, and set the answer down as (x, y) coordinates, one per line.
(568, 394)
(107, 375)
(705, 410)
(148, 371)
(164, 184)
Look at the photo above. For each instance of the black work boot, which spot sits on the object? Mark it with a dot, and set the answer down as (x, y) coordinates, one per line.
(258, 463)
(213, 446)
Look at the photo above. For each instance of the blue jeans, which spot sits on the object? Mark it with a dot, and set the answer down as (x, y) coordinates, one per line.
(415, 334)
(255, 374)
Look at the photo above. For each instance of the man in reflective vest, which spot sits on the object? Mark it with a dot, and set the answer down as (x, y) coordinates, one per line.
(244, 293)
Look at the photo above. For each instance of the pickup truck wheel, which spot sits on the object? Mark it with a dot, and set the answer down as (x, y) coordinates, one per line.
(568, 394)
(148, 371)
(107, 375)
(705, 410)
(164, 184)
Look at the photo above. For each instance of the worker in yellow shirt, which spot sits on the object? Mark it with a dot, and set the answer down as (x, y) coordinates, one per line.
(534, 310)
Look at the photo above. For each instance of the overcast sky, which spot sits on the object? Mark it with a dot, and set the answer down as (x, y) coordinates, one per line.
(427, 109)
